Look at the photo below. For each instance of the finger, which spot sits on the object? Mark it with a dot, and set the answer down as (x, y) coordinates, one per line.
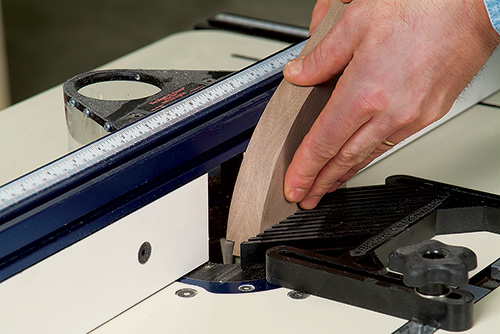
(319, 11)
(345, 112)
(323, 141)
(326, 60)
(381, 149)
(364, 143)
(396, 137)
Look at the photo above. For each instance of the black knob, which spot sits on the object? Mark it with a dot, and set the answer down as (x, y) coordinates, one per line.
(433, 267)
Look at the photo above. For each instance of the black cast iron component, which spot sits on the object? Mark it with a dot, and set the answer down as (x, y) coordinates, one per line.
(340, 250)
(116, 114)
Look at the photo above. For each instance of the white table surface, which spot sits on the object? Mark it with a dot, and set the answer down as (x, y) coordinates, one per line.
(465, 151)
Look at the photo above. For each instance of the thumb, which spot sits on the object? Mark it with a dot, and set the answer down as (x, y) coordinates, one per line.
(325, 61)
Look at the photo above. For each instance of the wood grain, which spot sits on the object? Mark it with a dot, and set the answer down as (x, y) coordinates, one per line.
(258, 201)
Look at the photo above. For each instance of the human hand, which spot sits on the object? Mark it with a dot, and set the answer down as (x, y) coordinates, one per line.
(403, 64)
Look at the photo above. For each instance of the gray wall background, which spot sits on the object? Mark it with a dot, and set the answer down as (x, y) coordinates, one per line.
(51, 40)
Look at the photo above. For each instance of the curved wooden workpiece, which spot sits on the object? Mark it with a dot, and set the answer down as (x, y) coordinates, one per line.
(258, 201)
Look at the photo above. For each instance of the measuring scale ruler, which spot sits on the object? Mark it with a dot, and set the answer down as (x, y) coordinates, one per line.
(98, 184)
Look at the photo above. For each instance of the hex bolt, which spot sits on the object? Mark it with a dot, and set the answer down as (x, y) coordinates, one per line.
(246, 288)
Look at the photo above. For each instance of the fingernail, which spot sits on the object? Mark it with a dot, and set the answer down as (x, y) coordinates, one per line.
(294, 67)
(294, 195)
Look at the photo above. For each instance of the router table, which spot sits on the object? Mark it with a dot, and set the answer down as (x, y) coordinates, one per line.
(97, 285)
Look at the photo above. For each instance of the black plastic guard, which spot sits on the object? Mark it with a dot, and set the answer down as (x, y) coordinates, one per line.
(340, 249)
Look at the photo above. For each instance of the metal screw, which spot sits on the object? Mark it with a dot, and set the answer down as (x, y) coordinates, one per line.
(297, 295)
(144, 252)
(72, 102)
(246, 288)
(107, 126)
(87, 112)
(186, 293)
(137, 77)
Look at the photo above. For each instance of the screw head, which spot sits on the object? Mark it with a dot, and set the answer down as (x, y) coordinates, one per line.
(186, 293)
(107, 127)
(144, 252)
(297, 295)
(87, 112)
(246, 288)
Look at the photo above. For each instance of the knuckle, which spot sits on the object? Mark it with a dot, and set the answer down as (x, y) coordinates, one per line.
(303, 178)
(321, 149)
(319, 56)
(350, 156)
(406, 118)
(371, 100)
